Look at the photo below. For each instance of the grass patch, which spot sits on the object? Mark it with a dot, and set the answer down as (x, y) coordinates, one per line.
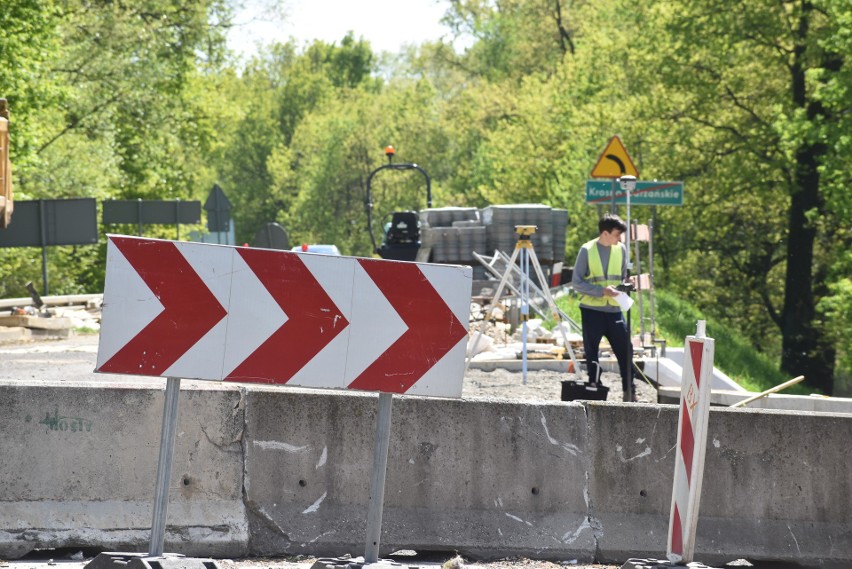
(85, 331)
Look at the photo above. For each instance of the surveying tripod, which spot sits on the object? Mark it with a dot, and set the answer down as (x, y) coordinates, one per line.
(525, 252)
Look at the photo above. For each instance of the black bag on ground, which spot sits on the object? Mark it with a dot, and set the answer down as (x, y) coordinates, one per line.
(581, 390)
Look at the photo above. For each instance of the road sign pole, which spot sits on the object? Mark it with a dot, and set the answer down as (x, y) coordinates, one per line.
(629, 229)
(377, 486)
(43, 231)
(218, 219)
(164, 467)
(628, 183)
(612, 207)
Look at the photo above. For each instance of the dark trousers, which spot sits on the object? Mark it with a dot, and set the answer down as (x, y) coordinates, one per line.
(612, 326)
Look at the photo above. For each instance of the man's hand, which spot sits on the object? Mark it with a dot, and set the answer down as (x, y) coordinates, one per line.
(611, 291)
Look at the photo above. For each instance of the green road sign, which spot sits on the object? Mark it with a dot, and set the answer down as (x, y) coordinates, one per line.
(646, 193)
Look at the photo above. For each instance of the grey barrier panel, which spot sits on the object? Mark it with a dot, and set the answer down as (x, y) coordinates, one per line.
(481, 478)
(90, 481)
(272, 236)
(218, 208)
(151, 212)
(40, 223)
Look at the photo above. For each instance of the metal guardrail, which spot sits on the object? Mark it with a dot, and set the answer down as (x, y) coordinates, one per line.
(58, 300)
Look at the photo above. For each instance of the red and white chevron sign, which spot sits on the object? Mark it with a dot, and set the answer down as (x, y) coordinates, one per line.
(691, 445)
(199, 311)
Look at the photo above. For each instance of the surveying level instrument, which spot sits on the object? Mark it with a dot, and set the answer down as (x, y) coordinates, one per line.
(524, 253)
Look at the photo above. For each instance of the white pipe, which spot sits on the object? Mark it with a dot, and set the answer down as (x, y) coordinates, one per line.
(784, 385)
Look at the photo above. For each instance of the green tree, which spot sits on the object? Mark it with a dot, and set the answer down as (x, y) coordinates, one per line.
(749, 83)
(27, 42)
(275, 92)
(336, 148)
(514, 37)
(103, 107)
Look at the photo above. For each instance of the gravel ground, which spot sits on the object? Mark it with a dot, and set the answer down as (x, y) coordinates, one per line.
(434, 561)
(541, 385)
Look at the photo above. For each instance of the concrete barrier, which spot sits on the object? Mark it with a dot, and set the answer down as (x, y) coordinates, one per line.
(280, 471)
(79, 464)
(483, 478)
(776, 485)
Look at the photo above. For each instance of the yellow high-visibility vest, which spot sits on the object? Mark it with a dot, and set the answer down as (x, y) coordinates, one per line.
(597, 276)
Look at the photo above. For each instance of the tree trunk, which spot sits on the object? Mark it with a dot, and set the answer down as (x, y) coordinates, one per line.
(805, 350)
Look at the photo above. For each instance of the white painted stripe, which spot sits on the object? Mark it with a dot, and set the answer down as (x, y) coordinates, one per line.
(375, 325)
(129, 305)
(214, 266)
(315, 506)
(327, 368)
(681, 488)
(278, 445)
(253, 315)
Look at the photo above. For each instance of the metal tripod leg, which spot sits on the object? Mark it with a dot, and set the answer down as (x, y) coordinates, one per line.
(506, 276)
(553, 309)
(558, 314)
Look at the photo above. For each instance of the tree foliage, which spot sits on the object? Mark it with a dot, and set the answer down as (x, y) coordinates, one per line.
(748, 106)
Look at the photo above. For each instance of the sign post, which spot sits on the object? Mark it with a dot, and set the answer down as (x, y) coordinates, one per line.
(377, 484)
(691, 445)
(164, 467)
(191, 310)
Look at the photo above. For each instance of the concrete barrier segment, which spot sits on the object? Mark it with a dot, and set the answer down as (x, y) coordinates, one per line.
(269, 470)
(79, 466)
(484, 478)
(776, 485)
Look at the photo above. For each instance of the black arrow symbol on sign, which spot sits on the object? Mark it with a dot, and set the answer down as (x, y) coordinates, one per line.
(618, 161)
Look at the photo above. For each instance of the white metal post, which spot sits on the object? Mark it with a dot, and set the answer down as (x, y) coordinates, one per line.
(377, 485)
(164, 467)
(628, 184)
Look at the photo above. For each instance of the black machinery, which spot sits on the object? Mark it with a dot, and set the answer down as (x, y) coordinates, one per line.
(402, 237)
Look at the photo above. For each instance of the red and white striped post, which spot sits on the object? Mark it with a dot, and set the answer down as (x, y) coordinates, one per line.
(691, 445)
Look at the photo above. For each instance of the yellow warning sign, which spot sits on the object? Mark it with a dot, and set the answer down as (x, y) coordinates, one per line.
(614, 162)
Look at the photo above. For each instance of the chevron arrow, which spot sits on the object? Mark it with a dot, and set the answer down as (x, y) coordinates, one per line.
(189, 308)
(313, 319)
(433, 329)
(211, 312)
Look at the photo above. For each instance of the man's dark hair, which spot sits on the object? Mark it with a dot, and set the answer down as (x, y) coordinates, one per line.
(610, 221)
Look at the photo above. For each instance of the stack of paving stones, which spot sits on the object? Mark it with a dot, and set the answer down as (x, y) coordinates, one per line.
(455, 233)
(500, 222)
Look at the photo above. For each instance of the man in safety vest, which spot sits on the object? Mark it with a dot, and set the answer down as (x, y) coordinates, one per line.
(601, 266)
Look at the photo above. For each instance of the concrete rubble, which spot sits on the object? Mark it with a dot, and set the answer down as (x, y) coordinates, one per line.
(58, 317)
